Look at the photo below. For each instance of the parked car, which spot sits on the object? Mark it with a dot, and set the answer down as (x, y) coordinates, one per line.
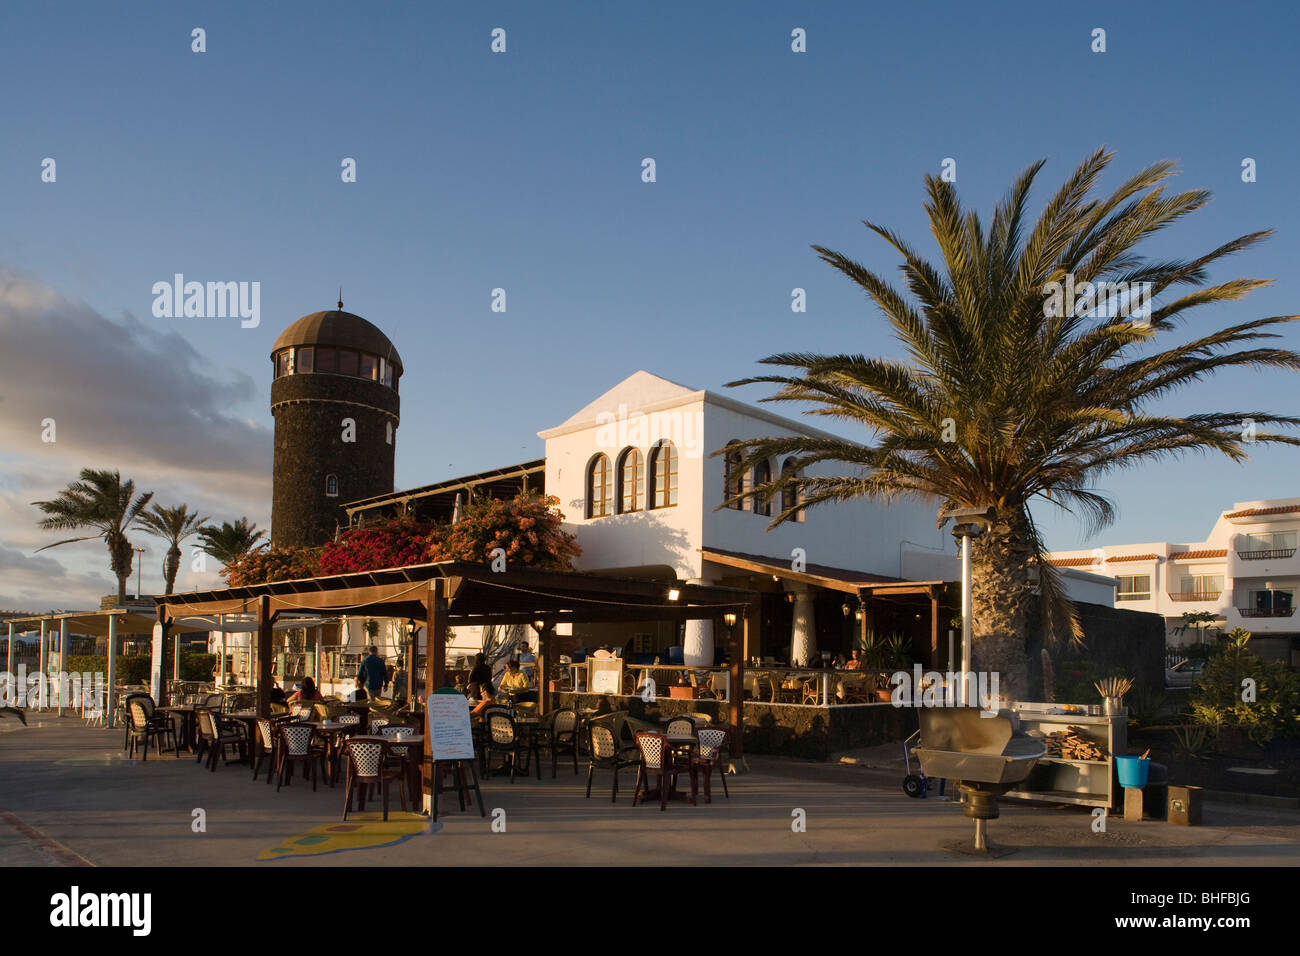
(1184, 675)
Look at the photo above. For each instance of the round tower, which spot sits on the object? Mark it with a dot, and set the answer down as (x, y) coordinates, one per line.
(334, 398)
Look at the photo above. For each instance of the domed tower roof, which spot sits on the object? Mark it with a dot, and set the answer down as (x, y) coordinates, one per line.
(341, 330)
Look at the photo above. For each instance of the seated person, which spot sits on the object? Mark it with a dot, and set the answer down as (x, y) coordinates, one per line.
(487, 694)
(515, 678)
(854, 664)
(277, 695)
(358, 695)
(305, 692)
(480, 675)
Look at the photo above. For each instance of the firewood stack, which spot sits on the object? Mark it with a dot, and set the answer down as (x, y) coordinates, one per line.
(1073, 744)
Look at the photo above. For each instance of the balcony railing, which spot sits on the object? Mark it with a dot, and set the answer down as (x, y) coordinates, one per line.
(1195, 595)
(1271, 555)
(1265, 611)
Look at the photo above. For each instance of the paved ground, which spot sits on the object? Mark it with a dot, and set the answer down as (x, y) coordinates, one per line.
(67, 795)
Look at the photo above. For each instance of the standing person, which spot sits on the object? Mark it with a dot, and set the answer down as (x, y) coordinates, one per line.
(373, 673)
(479, 677)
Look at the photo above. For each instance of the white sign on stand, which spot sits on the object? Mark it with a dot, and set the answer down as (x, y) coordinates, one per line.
(450, 737)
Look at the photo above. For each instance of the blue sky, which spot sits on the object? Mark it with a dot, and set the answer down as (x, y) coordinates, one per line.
(522, 171)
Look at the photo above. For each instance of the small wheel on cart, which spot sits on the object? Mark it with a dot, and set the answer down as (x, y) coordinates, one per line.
(913, 785)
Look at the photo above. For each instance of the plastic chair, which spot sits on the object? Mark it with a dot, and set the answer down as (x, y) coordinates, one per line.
(714, 742)
(661, 760)
(605, 753)
(296, 747)
(367, 766)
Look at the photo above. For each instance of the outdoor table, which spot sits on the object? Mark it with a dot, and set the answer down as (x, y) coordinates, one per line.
(414, 746)
(530, 727)
(332, 731)
(249, 719)
(676, 744)
(361, 708)
(189, 721)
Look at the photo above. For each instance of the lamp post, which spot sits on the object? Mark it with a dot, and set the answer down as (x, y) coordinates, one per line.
(139, 567)
(412, 629)
(970, 523)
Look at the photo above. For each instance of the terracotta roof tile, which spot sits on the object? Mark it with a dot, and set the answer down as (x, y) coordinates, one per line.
(1251, 512)
(1134, 557)
(1074, 562)
(1211, 553)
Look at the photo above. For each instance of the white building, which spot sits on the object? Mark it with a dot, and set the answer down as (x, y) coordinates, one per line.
(1245, 573)
(641, 490)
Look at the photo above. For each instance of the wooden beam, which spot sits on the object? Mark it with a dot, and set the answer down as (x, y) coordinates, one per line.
(264, 632)
(737, 646)
(543, 664)
(435, 666)
(934, 627)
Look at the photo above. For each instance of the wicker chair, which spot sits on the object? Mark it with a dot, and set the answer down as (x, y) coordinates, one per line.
(605, 753)
(266, 738)
(216, 734)
(367, 766)
(125, 713)
(714, 743)
(296, 747)
(143, 728)
(659, 759)
(681, 724)
(504, 736)
(561, 736)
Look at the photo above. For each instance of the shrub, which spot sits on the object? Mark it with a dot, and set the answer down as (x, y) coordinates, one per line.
(272, 564)
(394, 543)
(1217, 700)
(526, 528)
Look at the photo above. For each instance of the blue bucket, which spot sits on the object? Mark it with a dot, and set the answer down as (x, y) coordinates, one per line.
(1132, 771)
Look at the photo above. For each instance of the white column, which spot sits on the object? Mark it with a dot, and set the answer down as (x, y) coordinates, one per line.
(962, 698)
(11, 689)
(110, 701)
(155, 664)
(697, 649)
(43, 662)
(63, 655)
(221, 667)
(803, 635)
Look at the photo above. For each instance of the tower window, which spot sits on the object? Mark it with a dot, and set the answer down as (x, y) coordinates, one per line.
(284, 363)
(663, 475)
(631, 481)
(600, 488)
(369, 367)
(303, 361)
(327, 360)
(331, 486)
(347, 362)
(388, 429)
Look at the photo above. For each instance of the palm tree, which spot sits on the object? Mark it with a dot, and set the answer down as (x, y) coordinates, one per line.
(103, 501)
(1007, 399)
(230, 542)
(173, 525)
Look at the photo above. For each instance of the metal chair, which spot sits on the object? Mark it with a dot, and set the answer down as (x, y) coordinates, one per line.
(681, 724)
(605, 753)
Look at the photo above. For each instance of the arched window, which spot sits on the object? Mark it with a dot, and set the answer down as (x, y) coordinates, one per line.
(733, 479)
(600, 487)
(388, 432)
(331, 486)
(631, 481)
(789, 495)
(762, 476)
(663, 475)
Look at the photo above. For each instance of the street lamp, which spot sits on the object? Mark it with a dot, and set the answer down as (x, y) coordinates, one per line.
(139, 567)
(970, 523)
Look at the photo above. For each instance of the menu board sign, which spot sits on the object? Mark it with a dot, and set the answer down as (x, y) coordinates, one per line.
(449, 735)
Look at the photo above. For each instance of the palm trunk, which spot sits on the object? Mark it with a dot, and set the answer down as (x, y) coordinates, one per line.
(171, 567)
(1000, 601)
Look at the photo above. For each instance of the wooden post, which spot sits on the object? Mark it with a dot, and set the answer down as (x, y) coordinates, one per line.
(738, 651)
(435, 671)
(543, 664)
(264, 632)
(110, 704)
(934, 627)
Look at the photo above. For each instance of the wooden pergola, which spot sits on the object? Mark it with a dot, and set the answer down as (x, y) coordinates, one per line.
(451, 593)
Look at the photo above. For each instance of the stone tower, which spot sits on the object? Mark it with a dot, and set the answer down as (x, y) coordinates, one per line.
(334, 398)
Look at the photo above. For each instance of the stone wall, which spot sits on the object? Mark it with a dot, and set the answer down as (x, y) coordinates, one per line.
(309, 412)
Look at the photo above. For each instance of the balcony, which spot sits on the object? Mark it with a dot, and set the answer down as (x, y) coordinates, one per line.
(1265, 611)
(1195, 596)
(1274, 554)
